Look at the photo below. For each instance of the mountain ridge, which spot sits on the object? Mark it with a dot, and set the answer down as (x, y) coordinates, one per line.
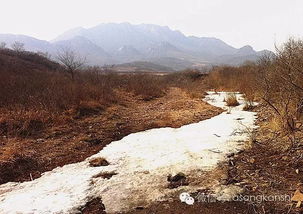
(118, 43)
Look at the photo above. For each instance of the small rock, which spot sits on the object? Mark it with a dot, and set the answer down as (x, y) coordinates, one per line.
(139, 208)
(105, 175)
(239, 118)
(98, 162)
(176, 177)
(177, 180)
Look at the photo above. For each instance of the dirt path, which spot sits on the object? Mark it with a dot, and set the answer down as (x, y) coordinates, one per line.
(140, 169)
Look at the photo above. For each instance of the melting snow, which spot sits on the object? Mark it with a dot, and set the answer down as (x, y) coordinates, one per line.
(142, 162)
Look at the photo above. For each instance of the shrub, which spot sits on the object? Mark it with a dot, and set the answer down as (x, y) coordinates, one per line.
(231, 99)
(281, 82)
(35, 92)
(277, 79)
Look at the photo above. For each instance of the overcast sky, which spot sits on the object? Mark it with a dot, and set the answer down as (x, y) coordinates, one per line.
(259, 23)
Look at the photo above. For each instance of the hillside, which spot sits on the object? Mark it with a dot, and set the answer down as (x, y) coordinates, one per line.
(11, 61)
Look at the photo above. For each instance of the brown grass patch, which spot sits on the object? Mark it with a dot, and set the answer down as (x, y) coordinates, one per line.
(231, 99)
(248, 106)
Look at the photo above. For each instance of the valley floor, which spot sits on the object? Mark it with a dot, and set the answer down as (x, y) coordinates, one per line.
(267, 167)
(23, 159)
(139, 168)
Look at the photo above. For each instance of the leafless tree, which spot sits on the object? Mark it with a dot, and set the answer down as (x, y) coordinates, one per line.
(71, 61)
(282, 84)
(2, 45)
(18, 46)
(44, 54)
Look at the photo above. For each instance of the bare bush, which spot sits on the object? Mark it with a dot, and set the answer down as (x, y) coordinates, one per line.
(18, 46)
(276, 79)
(2, 45)
(282, 83)
(71, 61)
(35, 92)
(192, 81)
(242, 78)
(45, 54)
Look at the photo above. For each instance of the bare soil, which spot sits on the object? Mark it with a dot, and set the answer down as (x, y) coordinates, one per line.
(272, 166)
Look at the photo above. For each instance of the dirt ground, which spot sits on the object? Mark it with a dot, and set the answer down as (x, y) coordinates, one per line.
(272, 166)
(24, 159)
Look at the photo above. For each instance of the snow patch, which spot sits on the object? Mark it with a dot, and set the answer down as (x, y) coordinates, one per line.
(142, 162)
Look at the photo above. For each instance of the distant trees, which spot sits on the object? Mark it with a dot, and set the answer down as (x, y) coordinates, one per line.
(44, 54)
(71, 61)
(2, 45)
(18, 46)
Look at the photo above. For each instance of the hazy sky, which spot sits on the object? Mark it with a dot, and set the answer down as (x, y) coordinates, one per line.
(259, 23)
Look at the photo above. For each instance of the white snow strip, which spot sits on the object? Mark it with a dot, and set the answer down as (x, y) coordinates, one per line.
(142, 162)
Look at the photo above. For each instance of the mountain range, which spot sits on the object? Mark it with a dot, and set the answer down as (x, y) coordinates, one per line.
(114, 43)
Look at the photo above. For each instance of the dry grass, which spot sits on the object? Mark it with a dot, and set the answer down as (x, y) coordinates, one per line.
(191, 81)
(275, 80)
(248, 106)
(243, 78)
(35, 93)
(274, 124)
(231, 99)
(77, 139)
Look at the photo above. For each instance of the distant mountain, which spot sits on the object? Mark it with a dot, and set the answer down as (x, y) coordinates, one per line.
(86, 48)
(210, 46)
(127, 53)
(123, 43)
(30, 43)
(246, 53)
(164, 49)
